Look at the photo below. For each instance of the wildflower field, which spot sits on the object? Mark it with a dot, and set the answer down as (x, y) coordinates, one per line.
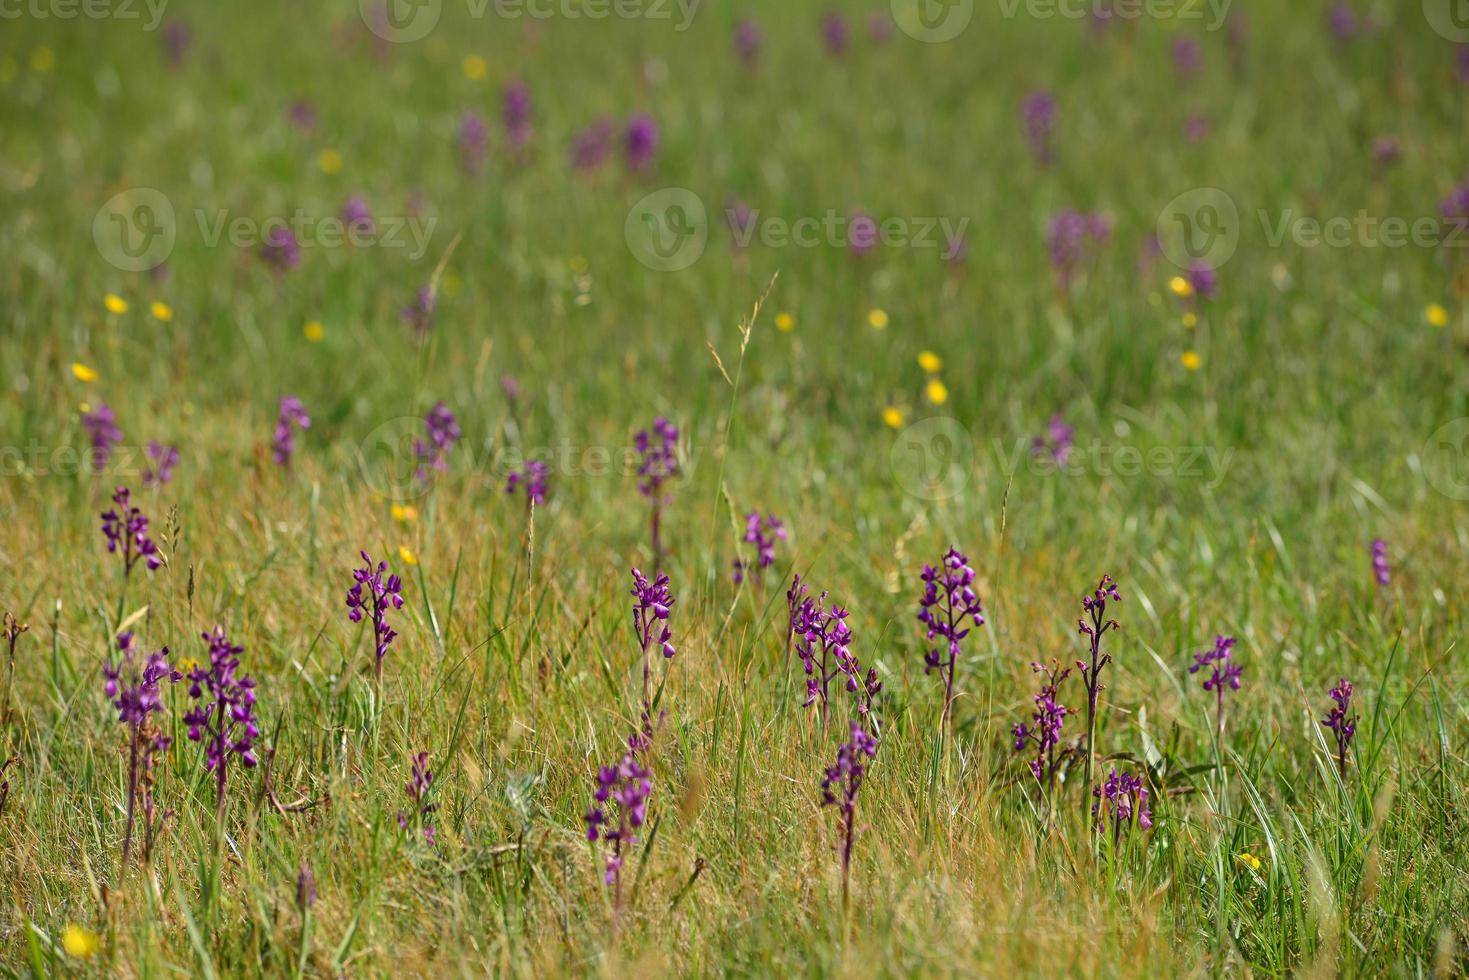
(560, 487)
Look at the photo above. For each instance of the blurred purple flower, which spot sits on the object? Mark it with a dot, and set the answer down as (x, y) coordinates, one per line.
(1224, 674)
(589, 147)
(443, 433)
(162, 459)
(861, 233)
(132, 684)
(834, 33)
(101, 426)
(1203, 279)
(1074, 239)
(1196, 127)
(880, 28)
(641, 142)
(533, 480)
(280, 251)
(302, 115)
(1342, 721)
(741, 221)
(419, 314)
(627, 785)
(747, 39)
(126, 531)
(177, 38)
(839, 787)
(1380, 569)
(1343, 21)
(474, 142)
(1123, 799)
(1044, 732)
(1038, 119)
(357, 216)
(420, 782)
(1057, 443)
(1386, 151)
(658, 464)
(305, 888)
(516, 115)
(948, 602)
(1188, 56)
(283, 443)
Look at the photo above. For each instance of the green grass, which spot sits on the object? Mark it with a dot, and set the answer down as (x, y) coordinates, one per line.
(1305, 433)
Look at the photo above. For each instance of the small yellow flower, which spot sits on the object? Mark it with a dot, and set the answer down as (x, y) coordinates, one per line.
(1191, 360)
(161, 311)
(878, 319)
(936, 391)
(42, 59)
(784, 322)
(893, 417)
(83, 373)
(187, 664)
(115, 304)
(330, 161)
(79, 941)
(1190, 320)
(1181, 287)
(409, 558)
(475, 67)
(930, 361)
(403, 514)
(1436, 315)
(314, 331)
(1249, 860)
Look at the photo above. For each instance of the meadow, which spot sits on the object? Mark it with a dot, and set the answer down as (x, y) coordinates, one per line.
(537, 303)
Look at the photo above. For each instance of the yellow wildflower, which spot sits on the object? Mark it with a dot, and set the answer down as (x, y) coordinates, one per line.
(161, 311)
(1436, 315)
(930, 361)
(936, 391)
(1191, 360)
(475, 67)
(1190, 320)
(83, 373)
(115, 304)
(784, 322)
(893, 417)
(404, 514)
(1181, 287)
(314, 331)
(409, 558)
(878, 319)
(330, 161)
(1249, 860)
(79, 941)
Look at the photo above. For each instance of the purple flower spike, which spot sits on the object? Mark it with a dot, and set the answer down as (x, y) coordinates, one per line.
(641, 143)
(1124, 800)
(223, 717)
(658, 464)
(516, 115)
(861, 233)
(292, 416)
(374, 592)
(1094, 625)
(840, 785)
(474, 142)
(1188, 56)
(420, 782)
(763, 535)
(589, 148)
(133, 685)
(419, 314)
(949, 609)
(1342, 721)
(834, 34)
(532, 480)
(1057, 443)
(1038, 118)
(1224, 674)
(1204, 280)
(652, 605)
(1044, 732)
(162, 459)
(624, 789)
(280, 251)
(747, 41)
(101, 426)
(126, 531)
(824, 644)
(443, 433)
(1380, 568)
(177, 38)
(305, 888)
(1074, 240)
